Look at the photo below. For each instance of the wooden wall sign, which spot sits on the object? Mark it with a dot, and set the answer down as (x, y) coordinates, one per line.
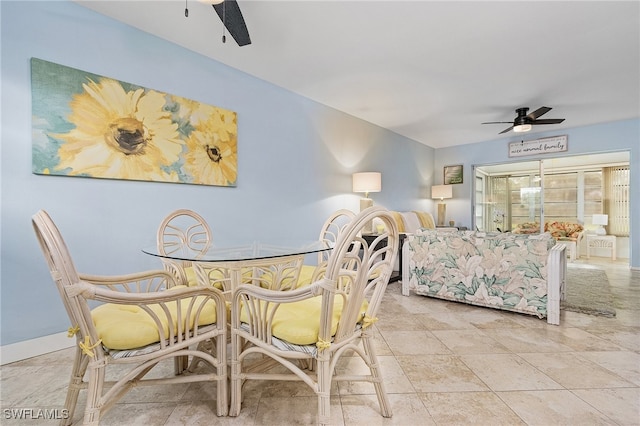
(538, 146)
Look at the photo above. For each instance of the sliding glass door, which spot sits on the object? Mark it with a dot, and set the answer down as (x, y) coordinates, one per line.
(507, 196)
(525, 195)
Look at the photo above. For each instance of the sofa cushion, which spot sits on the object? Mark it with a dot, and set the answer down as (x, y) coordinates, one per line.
(411, 222)
(527, 228)
(561, 230)
(426, 220)
(558, 230)
(397, 216)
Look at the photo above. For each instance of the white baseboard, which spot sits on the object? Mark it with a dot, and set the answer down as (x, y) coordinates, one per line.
(35, 347)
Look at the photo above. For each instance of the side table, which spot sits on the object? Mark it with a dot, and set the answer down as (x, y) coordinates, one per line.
(572, 249)
(395, 275)
(601, 241)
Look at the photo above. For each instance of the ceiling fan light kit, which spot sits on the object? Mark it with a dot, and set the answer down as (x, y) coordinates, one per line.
(522, 128)
(524, 122)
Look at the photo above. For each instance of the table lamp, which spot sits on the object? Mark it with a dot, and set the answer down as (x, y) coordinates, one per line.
(602, 220)
(441, 192)
(367, 182)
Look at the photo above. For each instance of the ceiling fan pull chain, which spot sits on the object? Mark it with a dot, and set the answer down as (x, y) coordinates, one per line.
(224, 21)
(186, 9)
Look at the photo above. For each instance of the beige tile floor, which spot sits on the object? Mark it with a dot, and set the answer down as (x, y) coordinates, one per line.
(444, 364)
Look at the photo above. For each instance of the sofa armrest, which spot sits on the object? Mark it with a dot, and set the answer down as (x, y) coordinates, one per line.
(405, 267)
(556, 276)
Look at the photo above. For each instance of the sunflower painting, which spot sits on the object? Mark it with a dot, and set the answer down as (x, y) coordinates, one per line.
(93, 126)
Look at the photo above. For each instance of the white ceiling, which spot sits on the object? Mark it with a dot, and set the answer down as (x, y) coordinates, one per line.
(429, 70)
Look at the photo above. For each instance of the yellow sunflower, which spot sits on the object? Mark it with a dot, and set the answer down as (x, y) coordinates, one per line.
(119, 134)
(194, 112)
(212, 156)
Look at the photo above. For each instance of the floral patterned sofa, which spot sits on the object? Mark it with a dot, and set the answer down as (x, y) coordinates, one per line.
(520, 273)
(408, 222)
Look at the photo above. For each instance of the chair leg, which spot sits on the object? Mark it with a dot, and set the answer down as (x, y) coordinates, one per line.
(94, 392)
(378, 383)
(236, 380)
(75, 384)
(324, 392)
(220, 355)
(180, 364)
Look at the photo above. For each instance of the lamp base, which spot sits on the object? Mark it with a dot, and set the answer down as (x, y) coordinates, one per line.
(442, 213)
(365, 203)
(600, 230)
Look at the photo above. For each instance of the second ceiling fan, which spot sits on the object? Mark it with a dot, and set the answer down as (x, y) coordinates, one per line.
(524, 121)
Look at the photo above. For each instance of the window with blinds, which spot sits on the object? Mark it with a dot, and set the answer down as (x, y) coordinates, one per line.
(616, 199)
(593, 190)
(561, 197)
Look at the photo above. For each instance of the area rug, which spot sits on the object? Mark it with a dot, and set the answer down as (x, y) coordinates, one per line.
(587, 291)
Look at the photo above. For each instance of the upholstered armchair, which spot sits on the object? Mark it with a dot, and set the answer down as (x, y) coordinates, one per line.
(569, 234)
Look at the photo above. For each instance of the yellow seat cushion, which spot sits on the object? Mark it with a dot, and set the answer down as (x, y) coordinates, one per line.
(299, 322)
(192, 279)
(306, 274)
(129, 327)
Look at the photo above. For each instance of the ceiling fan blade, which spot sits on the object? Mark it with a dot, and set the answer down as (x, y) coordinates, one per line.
(498, 122)
(506, 130)
(537, 113)
(230, 14)
(549, 121)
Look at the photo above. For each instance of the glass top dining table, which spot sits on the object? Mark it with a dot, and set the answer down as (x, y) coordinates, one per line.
(267, 264)
(254, 250)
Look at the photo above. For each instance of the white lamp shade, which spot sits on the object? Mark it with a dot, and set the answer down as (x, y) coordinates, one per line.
(600, 219)
(367, 182)
(441, 191)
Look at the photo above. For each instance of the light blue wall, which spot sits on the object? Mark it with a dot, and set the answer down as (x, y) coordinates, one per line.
(295, 160)
(614, 136)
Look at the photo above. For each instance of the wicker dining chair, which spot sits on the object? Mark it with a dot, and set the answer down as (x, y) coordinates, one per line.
(143, 319)
(182, 229)
(314, 325)
(329, 233)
